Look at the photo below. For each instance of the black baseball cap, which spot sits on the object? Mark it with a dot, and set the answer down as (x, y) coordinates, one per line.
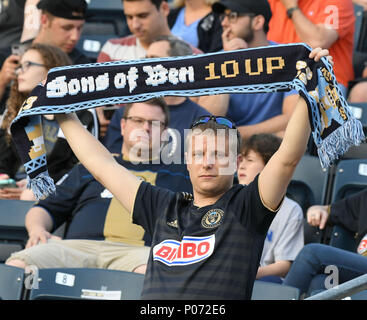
(258, 7)
(67, 9)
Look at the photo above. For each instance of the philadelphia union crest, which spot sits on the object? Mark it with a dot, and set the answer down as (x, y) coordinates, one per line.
(212, 219)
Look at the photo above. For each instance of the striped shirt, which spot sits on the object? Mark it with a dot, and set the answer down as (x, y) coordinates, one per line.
(127, 48)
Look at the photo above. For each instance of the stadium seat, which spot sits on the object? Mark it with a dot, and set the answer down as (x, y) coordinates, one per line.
(11, 282)
(360, 41)
(350, 177)
(343, 239)
(272, 291)
(308, 187)
(86, 283)
(105, 20)
(310, 178)
(13, 234)
(358, 13)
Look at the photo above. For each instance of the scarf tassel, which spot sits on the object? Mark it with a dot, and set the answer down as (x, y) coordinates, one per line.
(339, 141)
(41, 185)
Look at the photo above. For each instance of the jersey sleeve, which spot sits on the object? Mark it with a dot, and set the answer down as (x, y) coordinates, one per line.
(253, 214)
(150, 203)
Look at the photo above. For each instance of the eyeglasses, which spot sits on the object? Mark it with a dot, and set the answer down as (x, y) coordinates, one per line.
(219, 120)
(139, 122)
(26, 65)
(233, 16)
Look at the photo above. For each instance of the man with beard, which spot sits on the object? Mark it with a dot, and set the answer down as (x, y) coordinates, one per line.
(245, 25)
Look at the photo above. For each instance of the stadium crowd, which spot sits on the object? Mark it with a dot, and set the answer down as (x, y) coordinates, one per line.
(125, 228)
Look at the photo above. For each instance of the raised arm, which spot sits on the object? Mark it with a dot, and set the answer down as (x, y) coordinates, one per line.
(275, 177)
(315, 35)
(99, 161)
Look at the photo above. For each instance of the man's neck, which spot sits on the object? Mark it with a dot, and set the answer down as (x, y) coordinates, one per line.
(174, 100)
(259, 40)
(201, 200)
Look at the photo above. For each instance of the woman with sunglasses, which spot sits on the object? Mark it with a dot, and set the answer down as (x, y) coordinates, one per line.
(33, 67)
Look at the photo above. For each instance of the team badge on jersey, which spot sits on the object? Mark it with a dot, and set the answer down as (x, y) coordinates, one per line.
(188, 251)
(212, 219)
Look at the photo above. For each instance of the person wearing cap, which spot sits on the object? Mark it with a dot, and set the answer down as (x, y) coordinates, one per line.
(318, 23)
(62, 22)
(245, 25)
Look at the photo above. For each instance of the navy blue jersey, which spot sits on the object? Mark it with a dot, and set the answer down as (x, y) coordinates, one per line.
(212, 252)
(94, 215)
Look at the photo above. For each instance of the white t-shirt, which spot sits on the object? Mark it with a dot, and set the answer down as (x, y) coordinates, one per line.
(285, 236)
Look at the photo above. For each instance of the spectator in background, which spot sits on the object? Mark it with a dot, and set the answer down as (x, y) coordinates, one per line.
(196, 23)
(32, 20)
(61, 25)
(95, 215)
(33, 68)
(62, 22)
(308, 270)
(182, 110)
(358, 92)
(285, 237)
(245, 24)
(147, 20)
(319, 23)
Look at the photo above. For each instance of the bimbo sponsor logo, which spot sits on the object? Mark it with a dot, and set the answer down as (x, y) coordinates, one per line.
(188, 251)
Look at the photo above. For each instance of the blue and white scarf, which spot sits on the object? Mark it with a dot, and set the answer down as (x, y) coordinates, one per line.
(266, 69)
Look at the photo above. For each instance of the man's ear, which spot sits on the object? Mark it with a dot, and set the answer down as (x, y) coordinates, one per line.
(164, 8)
(258, 23)
(122, 125)
(45, 21)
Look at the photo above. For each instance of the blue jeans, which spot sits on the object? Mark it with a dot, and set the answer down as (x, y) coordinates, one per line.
(307, 272)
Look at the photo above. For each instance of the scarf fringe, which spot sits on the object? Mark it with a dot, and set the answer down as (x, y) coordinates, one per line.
(42, 185)
(338, 142)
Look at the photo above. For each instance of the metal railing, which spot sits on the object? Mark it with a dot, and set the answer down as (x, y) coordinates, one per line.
(343, 290)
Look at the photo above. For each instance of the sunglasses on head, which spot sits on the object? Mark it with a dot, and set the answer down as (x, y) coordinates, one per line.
(219, 120)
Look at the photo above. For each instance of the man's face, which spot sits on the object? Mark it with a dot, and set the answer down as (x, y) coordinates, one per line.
(210, 163)
(239, 25)
(144, 20)
(142, 130)
(62, 33)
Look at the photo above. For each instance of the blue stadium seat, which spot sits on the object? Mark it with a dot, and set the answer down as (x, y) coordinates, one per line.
(13, 234)
(350, 177)
(11, 282)
(309, 187)
(358, 13)
(273, 291)
(343, 239)
(86, 283)
(106, 20)
(312, 178)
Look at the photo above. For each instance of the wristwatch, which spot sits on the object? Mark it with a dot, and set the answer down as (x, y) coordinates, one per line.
(290, 11)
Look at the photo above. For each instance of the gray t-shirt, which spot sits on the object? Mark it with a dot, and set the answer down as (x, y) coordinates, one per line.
(285, 237)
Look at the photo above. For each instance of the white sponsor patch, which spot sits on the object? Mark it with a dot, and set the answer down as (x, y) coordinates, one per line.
(189, 250)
